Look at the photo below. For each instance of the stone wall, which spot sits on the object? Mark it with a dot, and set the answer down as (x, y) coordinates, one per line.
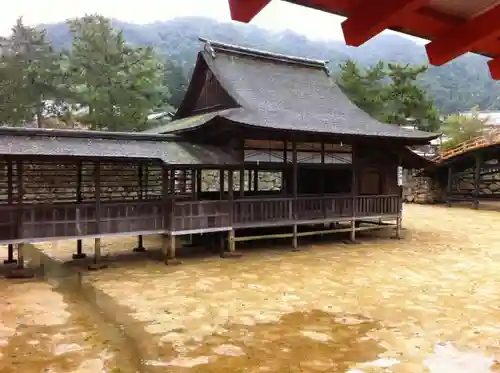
(421, 189)
(267, 180)
(489, 184)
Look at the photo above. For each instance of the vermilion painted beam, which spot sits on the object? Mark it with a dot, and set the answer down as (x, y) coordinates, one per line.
(462, 39)
(494, 66)
(372, 17)
(246, 10)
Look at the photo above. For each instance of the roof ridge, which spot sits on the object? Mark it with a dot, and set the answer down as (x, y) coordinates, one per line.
(49, 132)
(212, 46)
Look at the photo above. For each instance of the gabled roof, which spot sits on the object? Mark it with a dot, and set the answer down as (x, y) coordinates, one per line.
(187, 122)
(289, 93)
(94, 144)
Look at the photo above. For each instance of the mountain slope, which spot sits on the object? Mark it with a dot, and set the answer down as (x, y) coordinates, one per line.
(457, 86)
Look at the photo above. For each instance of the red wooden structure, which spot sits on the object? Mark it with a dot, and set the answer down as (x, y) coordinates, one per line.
(454, 27)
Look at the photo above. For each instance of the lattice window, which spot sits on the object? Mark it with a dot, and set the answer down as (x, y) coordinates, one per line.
(263, 156)
(335, 158)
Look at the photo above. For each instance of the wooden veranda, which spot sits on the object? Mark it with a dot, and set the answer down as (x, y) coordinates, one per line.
(47, 197)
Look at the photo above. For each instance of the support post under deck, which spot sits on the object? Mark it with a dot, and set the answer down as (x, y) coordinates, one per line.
(20, 271)
(10, 255)
(168, 248)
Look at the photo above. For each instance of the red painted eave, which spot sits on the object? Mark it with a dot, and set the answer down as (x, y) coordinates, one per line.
(451, 36)
(246, 10)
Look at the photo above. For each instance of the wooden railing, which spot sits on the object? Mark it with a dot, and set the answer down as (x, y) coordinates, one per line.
(254, 211)
(323, 207)
(31, 221)
(200, 215)
(367, 206)
(491, 137)
(34, 221)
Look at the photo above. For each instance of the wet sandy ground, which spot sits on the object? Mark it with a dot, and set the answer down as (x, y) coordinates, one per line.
(428, 303)
(40, 331)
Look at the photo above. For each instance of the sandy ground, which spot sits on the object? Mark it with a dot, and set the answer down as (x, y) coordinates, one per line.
(38, 331)
(428, 303)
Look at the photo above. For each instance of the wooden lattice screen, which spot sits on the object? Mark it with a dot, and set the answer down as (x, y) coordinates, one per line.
(54, 182)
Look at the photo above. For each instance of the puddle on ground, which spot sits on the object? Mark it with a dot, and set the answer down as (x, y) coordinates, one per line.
(309, 341)
(428, 303)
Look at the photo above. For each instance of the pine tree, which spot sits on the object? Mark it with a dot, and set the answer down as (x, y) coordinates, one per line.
(119, 84)
(30, 75)
(390, 93)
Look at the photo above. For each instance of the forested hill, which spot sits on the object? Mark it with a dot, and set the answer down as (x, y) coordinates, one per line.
(456, 86)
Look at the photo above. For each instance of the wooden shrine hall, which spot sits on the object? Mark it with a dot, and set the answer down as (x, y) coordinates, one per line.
(261, 140)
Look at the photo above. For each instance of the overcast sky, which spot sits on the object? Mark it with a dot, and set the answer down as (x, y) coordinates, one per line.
(278, 15)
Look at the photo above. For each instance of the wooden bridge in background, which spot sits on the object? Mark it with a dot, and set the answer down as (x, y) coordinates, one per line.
(490, 138)
(472, 169)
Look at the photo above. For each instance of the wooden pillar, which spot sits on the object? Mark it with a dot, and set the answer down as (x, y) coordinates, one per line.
(294, 205)
(249, 180)
(194, 184)
(221, 183)
(169, 240)
(231, 244)
(322, 181)
(477, 179)
(140, 180)
(20, 255)
(97, 264)
(255, 180)
(399, 219)
(168, 248)
(79, 244)
(284, 183)
(10, 201)
(354, 193)
(449, 185)
(199, 174)
(242, 179)
(20, 194)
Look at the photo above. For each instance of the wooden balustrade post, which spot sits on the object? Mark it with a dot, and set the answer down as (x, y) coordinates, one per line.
(79, 244)
(97, 264)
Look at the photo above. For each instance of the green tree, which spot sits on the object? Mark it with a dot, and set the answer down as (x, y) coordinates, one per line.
(30, 75)
(390, 93)
(459, 128)
(119, 84)
(364, 87)
(404, 99)
(177, 83)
